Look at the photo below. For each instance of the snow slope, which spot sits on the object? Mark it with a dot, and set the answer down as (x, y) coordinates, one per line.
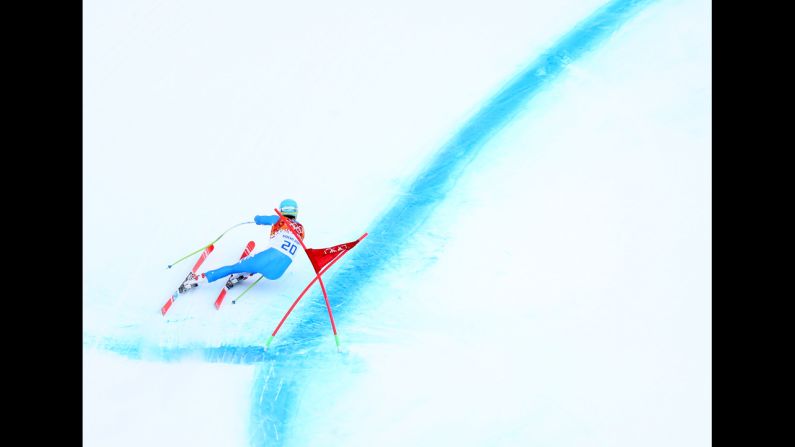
(559, 294)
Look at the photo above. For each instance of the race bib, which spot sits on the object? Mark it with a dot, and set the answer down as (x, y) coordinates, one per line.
(285, 242)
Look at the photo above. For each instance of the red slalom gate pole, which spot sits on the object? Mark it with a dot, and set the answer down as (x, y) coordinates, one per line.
(324, 270)
(322, 286)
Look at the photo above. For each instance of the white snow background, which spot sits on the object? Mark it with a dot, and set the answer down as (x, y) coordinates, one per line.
(559, 295)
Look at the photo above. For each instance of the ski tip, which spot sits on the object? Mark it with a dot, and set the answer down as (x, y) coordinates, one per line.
(167, 306)
(220, 299)
(170, 265)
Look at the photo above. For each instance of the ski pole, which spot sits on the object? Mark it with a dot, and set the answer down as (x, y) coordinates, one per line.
(247, 289)
(211, 243)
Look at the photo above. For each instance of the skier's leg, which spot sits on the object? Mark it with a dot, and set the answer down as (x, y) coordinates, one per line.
(269, 263)
(223, 272)
(244, 266)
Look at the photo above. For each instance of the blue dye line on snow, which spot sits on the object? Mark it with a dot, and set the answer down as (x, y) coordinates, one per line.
(220, 354)
(279, 377)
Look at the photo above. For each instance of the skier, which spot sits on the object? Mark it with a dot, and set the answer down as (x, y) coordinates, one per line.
(271, 263)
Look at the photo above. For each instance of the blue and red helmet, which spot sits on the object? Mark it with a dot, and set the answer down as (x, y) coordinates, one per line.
(289, 208)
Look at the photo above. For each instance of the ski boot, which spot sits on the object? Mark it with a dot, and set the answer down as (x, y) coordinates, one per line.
(236, 279)
(191, 282)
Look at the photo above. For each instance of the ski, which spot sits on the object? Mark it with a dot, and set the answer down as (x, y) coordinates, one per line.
(227, 286)
(175, 295)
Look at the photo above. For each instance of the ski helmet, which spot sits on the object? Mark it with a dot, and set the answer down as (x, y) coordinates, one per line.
(288, 207)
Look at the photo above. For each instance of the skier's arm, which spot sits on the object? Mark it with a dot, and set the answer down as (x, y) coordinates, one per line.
(266, 220)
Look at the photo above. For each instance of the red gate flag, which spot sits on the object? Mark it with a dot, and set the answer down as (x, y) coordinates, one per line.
(322, 256)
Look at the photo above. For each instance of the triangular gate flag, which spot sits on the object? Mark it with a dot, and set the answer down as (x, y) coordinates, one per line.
(319, 257)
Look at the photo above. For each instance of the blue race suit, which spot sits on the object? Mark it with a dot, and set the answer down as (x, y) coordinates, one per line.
(273, 262)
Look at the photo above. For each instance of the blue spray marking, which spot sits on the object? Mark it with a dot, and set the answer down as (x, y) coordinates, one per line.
(292, 356)
(221, 354)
